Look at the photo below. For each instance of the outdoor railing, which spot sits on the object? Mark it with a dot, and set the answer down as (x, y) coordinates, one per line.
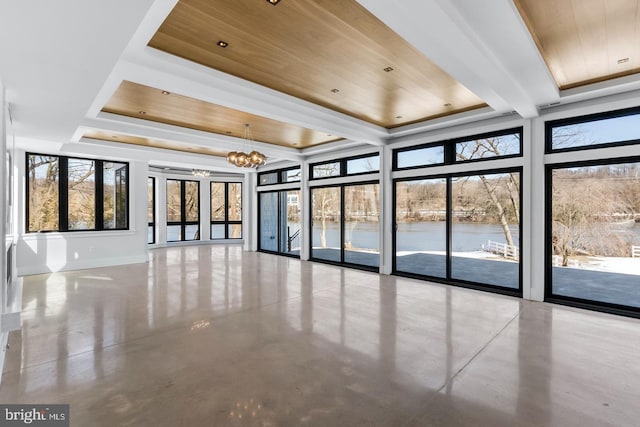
(507, 251)
(635, 251)
(293, 240)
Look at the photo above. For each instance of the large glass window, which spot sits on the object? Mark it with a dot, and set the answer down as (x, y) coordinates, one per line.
(279, 221)
(421, 227)
(593, 239)
(594, 131)
(369, 163)
(460, 228)
(114, 178)
(502, 144)
(183, 210)
(151, 210)
(69, 194)
(279, 176)
(226, 210)
(345, 224)
(43, 185)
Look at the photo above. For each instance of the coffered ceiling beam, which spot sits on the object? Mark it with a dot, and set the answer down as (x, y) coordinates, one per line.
(486, 47)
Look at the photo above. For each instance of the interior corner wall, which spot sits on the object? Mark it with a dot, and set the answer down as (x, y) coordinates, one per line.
(49, 252)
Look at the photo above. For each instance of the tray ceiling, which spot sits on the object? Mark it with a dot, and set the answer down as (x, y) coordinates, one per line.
(332, 53)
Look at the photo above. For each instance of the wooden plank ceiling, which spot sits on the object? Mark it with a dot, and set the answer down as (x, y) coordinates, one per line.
(585, 41)
(154, 143)
(332, 53)
(144, 102)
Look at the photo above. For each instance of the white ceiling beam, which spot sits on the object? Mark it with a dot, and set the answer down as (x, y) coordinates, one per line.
(114, 123)
(484, 45)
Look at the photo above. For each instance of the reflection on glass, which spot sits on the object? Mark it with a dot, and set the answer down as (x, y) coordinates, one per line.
(268, 178)
(326, 170)
(192, 232)
(363, 165)
(291, 175)
(493, 146)
(595, 241)
(325, 228)
(174, 233)
(82, 194)
(114, 176)
(290, 220)
(217, 231)
(174, 201)
(192, 200)
(485, 229)
(426, 156)
(43, 175)
(604, 131)
(235, 231)
(235, 201)
(269, 221)
(421, 228)
(217, 201)
(361, 225)
(151, 211)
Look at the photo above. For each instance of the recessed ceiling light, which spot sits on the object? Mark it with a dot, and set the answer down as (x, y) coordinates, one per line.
(335, 90)
(398, 117)
(623, 60)
(229, 132)
(388, 69)
(222, 43)
(114, 136)
(273, 2)
(142, 112)
(447, 105)
(164, 92)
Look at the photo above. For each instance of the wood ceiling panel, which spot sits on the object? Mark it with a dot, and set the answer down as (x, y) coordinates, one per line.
(154, 143)
(307, 48)
(131, 99)
(585, 41)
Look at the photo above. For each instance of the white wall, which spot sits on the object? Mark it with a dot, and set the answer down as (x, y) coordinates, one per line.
(49, 252)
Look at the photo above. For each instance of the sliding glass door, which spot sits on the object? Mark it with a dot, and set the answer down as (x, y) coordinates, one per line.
(279, 222)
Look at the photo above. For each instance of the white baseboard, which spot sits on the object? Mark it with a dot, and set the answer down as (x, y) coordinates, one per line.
(83, 265)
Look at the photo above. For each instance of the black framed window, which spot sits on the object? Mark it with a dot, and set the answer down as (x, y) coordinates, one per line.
(280, 176)
(75, 194)
(460, 228)
(619, 127)
(183, 210)
(226, 210)
(487, 146)
(357, 165)
(151, 210)
(345, 226)
(279, 222)
(593, 235)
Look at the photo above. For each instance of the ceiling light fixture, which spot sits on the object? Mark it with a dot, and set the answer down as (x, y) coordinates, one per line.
(142, 112)
(222, 43)
(244, 160)
(273, 2)
(164, 92)
(447, 105)
(623, 60)
(200, 173)
(388, 69)
(335, 90)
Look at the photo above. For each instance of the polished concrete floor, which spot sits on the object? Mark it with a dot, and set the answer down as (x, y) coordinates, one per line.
(212, 336)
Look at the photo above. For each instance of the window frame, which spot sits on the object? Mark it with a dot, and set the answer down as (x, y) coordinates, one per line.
(279, 194)
(549, 296)
(343, 167)
(342, 224)
(551, 124)
(226, 222)
(183, 223)
(63, 194)
(449, 146)
(279, 173)
(449, 279)
(153, 209)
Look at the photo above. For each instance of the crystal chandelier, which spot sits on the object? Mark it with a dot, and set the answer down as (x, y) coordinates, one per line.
(200, 173)
(244, 160)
